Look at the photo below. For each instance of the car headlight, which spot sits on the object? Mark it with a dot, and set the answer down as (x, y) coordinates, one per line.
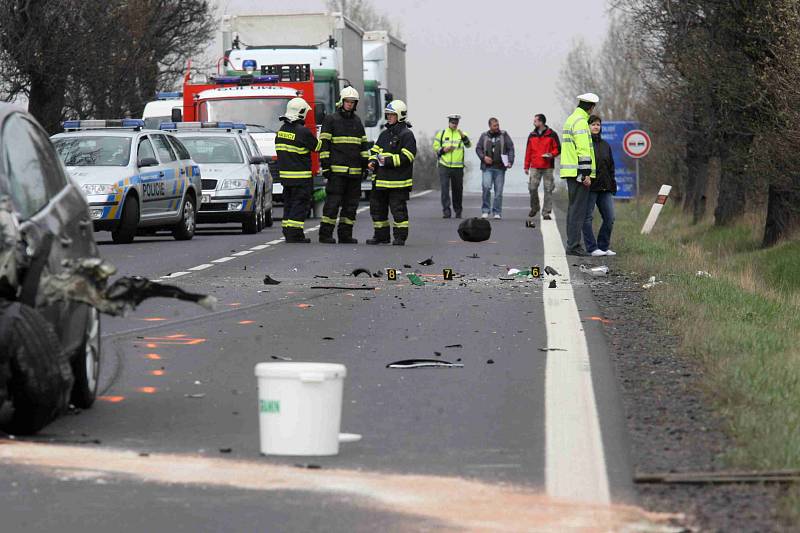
(99, 188)
(234, 183)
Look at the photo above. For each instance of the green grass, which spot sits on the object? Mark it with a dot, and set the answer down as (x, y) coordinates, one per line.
(742, 324)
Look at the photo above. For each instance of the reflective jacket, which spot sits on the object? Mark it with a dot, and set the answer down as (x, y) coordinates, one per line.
(294, 144)
(399, 148)
(450, 137)
(345, 148)
(577, 152)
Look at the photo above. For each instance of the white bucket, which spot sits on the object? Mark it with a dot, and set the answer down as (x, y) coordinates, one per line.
(300, 407)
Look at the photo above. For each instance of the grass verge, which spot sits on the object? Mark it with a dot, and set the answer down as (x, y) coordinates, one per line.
(742, 324)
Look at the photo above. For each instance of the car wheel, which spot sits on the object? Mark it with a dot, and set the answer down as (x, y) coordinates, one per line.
(86, 364)
(126, 231)
(40, 377)
(250, 224)
(184, 229)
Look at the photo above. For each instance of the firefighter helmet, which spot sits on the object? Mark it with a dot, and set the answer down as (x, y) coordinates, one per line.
(296, 109)
(399, 108)
(348, 93)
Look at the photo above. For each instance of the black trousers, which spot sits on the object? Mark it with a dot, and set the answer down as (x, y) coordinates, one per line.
(451, 177)
(342, 195)
(296, 205)
(380, 203)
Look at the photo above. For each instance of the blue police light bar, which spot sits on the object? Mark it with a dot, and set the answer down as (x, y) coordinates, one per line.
(127, 123)
(168, 126)
(249, 65)
(247, 79)
(186, 126)
(228, 79)
(168, 95)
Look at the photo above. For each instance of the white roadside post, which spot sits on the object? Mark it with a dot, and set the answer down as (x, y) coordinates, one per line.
(658, 205)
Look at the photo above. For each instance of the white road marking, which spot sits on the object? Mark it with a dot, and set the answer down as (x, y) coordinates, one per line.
(260, 247)
(276, 241)
(200, 267)
(175, 275)
(223, 259)
(243, 252)
(575, 467)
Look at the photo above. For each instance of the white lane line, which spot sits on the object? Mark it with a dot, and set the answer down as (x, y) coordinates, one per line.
(175, 275)
(243, 252)
(223, 259)
(276, 241)
(259, 247)
(575, 467)
(200, 267)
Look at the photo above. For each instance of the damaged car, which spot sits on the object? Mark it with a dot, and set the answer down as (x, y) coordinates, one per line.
(49, 348)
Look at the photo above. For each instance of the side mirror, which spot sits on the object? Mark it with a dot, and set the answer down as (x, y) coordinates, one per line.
(319, 112)
(176, 115)
(148, 162)
(257, 160)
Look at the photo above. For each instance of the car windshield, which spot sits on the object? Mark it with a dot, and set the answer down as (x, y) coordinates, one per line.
(212, 150)
(262, 111)
(86, 151)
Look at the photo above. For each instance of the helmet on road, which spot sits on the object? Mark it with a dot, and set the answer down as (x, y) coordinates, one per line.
(399, 108)
(296, 109)
(348, 93)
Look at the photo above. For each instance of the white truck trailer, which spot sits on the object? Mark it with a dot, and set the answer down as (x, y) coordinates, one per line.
(384, 77)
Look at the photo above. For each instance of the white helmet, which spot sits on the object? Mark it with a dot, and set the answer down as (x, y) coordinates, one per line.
(296, 109)
(349, 93)
(399, 108)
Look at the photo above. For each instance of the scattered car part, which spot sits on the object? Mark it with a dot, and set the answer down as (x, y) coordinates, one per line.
(355, 273)
(427, 262)
(423, 363)
(268, 280)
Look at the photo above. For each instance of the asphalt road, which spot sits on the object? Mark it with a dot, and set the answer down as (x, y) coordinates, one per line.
(178, 380)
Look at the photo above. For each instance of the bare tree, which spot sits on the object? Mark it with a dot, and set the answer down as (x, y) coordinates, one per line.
(363, 13)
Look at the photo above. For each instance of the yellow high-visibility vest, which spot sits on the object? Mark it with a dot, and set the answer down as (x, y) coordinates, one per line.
(577, 150)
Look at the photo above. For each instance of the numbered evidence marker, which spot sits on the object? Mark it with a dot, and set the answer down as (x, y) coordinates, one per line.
(663, 194)
(391, 274)
(447, 273)
(536, 272)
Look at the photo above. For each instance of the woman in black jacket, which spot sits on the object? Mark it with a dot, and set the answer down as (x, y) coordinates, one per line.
(601, 194)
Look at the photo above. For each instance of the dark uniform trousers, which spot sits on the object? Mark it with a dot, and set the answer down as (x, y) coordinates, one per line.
(380, 203)
(343, 193)
(296, 205)
(455, 177)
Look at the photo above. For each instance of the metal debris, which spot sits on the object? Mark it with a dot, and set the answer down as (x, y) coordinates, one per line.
(281, 358)
(196, 395)
(552, 271)
(454, 346)
(355, 273)
(552, 284)
(268, 280)
(427, 262)
(423, 363)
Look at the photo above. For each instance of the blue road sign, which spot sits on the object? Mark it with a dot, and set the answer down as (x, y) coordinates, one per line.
(624, 165)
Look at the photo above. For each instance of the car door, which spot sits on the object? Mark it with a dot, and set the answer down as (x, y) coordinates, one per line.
(152, 183)
(260, 171)
(186, 168)
(171, 198)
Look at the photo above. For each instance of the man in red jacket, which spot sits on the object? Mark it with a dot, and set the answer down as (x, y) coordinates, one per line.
(540, 156)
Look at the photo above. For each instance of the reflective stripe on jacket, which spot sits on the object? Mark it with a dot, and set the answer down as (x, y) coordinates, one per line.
(345, 148)
(446, 138)
(294, 144)
(398, 147)
(577, 152)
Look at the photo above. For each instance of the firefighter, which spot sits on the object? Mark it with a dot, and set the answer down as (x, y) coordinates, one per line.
(392, 160)
(344, 155)
(294, 144)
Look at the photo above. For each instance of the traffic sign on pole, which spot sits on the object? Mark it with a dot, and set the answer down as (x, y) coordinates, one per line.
(636, 143)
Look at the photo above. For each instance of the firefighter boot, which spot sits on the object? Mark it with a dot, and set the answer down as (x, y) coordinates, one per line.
(381, 236)
(295, 235)
(326, 230)
(346, 234)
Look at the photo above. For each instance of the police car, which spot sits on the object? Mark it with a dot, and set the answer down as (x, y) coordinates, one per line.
(134, 179)
(237, 185)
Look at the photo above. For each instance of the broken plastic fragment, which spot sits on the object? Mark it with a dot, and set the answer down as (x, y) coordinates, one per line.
(281, 358)
(270, 281)
(550, 270)
(427, 262)
(703, 274)
(415, 280)
(454, 346)
(423, 363)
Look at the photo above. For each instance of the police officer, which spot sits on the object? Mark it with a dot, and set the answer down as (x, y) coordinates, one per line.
(294, 144)
(449, 145)
(344, 158)
(392, 159)
(578, 168)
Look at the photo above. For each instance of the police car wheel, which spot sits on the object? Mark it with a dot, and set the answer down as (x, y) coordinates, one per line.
(184, 229)
(86, 363)
(250, 224)
(126, 231)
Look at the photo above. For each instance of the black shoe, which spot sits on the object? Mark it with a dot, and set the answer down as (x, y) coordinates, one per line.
(347, 240)
(327, 240)
(377, 241)
(446, 214)
(399, 242)
(577, 253)
(532, 213)
(547, 216)
(458, 214)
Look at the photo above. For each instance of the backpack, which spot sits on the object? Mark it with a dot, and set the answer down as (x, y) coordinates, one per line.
(475, 230)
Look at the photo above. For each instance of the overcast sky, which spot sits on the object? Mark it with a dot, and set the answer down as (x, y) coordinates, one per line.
(479, 59)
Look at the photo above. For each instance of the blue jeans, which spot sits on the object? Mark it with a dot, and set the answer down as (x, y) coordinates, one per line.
(605, 202)
(493, 177)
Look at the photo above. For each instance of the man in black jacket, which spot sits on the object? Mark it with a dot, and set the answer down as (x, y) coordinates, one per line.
(344, 158)
(294, 144)
(392, 160)
(601, 194)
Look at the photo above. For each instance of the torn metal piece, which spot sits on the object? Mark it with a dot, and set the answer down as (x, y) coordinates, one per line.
(355, 273)
(552, 271)
(320, 276)
(454, 346)
(281, 358)
(427, 262)
(268, 280)
(423, 363)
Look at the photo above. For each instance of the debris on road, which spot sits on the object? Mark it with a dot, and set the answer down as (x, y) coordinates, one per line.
(427, 262)
(552, 350)
(490, 361)
(310, 466)
(225, 450)
(196, 395)
(416, 280)
(355, 273)
(407, 266)
(552, 284)
(552, 271)
(595, 271)
(423, 363)
(327, 338)
(718, 477)
(343, 287)
(703, 274)
(651, 282)
(281, 358)
(454, 346)
(475, 230)
(320, 276)
(473, 256)
(268, 280)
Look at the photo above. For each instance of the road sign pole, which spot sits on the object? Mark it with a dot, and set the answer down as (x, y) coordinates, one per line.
(637, 187)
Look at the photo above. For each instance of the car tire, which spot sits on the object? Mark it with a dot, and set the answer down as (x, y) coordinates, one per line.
(86, 363)
(40, 377)
(250, 224)
(184, 229)
(128, 222)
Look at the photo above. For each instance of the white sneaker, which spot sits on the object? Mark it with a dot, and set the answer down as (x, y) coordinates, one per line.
(598, 253)
(609, 252)
(497, 216)
(485, 215)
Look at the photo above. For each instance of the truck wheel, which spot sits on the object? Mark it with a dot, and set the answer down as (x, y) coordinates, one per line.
(250, 224)
(86, 363)
(40, 375)
(184, 229)
(126, 231)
